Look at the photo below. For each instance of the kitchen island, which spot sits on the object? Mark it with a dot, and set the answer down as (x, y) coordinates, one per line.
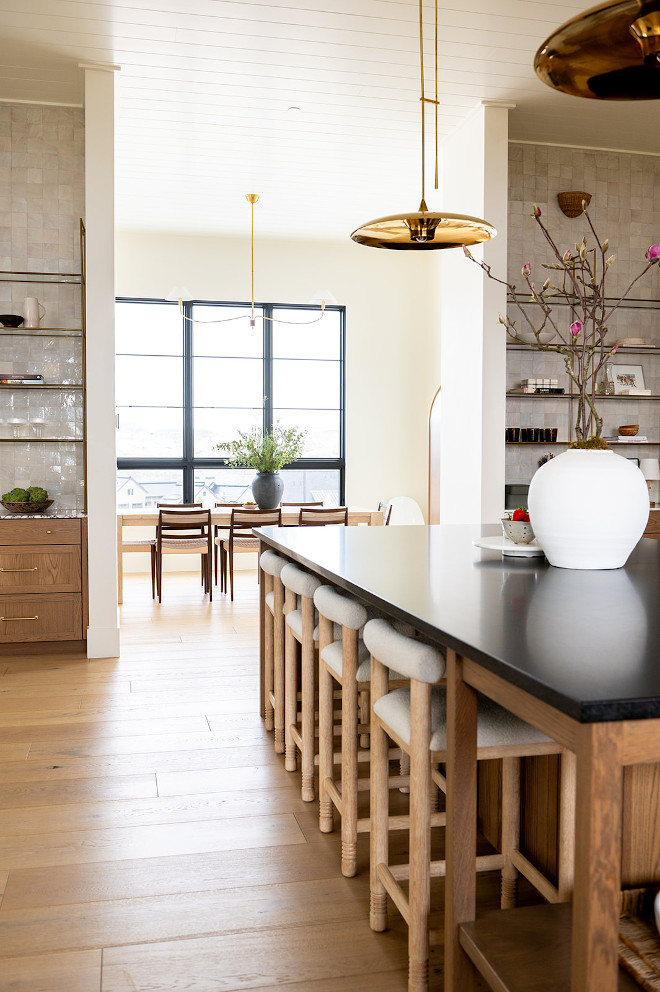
(573, 652)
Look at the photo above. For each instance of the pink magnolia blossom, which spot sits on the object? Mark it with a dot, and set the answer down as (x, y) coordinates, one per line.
(537, 211)
(652, 253)
(576, 327)
(526, 269)
(614, 349)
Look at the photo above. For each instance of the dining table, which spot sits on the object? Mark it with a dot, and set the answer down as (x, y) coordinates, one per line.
(576, 653)
(222, 517)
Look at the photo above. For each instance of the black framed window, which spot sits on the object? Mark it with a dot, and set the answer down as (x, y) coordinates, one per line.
(183, 385)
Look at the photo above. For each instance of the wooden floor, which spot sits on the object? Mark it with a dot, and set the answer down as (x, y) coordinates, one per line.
(150, 838)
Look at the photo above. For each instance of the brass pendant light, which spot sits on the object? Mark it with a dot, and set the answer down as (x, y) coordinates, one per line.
(611, 52)
(423, 228)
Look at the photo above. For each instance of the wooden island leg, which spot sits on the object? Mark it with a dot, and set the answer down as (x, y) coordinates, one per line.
(461, 830)
(594, 964)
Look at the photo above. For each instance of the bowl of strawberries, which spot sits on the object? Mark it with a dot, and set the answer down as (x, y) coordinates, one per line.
(517, 526)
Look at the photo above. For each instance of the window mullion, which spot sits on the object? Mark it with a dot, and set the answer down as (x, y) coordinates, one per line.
(268, 366)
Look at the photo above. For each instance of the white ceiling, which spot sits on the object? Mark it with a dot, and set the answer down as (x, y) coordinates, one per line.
(205, 87)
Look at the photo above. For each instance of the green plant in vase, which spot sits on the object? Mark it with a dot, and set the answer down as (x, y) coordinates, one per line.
(266, 452)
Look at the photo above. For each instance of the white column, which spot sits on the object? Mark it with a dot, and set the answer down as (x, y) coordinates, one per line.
(103, 630)
(472, 347)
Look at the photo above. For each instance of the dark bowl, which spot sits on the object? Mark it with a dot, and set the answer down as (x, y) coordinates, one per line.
(16, 507)
(10, 319)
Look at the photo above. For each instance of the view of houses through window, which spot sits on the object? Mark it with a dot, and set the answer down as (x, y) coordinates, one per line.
(184, 386)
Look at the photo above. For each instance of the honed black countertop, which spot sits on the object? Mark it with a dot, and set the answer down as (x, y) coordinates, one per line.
(586, 642)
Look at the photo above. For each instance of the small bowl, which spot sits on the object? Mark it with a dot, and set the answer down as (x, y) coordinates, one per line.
(10, 319)
(628, 430)
(518, 531)
(25, 507)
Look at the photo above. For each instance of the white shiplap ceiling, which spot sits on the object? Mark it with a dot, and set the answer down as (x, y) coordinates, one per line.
(205, 87)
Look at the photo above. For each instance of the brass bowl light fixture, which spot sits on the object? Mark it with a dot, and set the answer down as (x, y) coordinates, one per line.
(611, 52)
(424, 229)
(180, 293)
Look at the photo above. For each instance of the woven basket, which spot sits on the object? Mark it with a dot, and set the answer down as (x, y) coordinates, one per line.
(571, 203)
(26, 507)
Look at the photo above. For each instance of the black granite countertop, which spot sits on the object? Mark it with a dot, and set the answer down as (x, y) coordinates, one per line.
(586, 642)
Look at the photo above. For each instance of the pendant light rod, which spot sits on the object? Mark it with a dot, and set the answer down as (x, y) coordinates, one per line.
(252, 199)
(423, 101)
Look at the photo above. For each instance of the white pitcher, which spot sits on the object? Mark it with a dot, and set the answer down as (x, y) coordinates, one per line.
(33, 311)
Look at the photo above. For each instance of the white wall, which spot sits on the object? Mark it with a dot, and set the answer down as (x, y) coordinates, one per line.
(388, 332)
(472, 346)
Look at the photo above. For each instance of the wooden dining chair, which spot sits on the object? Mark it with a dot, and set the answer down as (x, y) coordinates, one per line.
(312, 516)
(240, 539)
(221, 531)
(149, 544)
(184, 531)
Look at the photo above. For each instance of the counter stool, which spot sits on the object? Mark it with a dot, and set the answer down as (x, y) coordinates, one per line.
(415, 719)
(271, 567)
(299, 628)
(343, 659)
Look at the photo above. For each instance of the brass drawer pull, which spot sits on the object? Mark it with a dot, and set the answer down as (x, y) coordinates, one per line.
(19, 569)
(19, 618)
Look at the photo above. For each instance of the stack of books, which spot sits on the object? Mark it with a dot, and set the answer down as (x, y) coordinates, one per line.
(621, 439)
(21, 379)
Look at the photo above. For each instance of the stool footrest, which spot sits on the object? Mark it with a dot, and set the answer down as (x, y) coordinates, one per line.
(394, 891)
(533, 875)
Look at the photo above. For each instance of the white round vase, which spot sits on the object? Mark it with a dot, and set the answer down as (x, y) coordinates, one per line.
(588, 508)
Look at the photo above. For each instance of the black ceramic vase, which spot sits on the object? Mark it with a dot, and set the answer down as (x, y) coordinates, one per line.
(267, 489)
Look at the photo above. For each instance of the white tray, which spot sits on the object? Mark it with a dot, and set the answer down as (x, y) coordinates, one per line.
(508, 548)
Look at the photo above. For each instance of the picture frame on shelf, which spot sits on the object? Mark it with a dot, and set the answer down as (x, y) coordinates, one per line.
(625, 377)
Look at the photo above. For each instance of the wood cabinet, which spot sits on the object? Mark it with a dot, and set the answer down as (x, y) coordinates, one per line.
(43, 580)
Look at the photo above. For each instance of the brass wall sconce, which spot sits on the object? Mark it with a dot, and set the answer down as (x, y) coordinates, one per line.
(573, 203)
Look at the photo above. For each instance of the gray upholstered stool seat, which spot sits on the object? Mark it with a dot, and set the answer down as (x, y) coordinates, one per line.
(415, 718)
(271, 565)
(496, 726)
(300, 621)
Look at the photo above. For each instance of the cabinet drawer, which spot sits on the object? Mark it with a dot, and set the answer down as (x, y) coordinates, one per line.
(49, 617)
(26, 569)
(47, 530)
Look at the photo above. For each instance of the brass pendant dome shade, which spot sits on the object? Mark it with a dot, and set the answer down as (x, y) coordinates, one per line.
(424, 229)
(611, 52)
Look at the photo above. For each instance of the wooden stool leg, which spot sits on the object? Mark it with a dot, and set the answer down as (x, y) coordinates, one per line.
(268, 659)
(364, 716)
(420, 838)
(278, 665)
(290, 687)
(566, 854)
(404, 769)
(379, 814)
(349, 762)
(326, 731)
(307, 688)
(510, 829)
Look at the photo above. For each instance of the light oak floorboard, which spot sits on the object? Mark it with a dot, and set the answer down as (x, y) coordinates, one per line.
(37, 792)
(171, 839)
(70, 971)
